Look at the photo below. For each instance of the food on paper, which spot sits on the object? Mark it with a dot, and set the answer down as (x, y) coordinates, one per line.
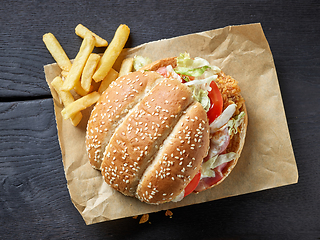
(78, 75)
(79, 62)
(57, 51)
(112, 52)
(139, 62)
(80, 104)
(64, 74)
(81, 31)
(126, 66)
(111, 76)
(66, 98)
(174, 127)
(88, 71)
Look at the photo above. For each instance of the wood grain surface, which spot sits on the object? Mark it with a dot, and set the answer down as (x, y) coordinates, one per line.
(34, 200)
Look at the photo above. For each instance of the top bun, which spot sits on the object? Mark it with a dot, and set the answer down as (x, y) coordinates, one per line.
(148, 136)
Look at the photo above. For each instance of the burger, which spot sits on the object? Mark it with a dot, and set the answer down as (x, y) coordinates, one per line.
(171, 128)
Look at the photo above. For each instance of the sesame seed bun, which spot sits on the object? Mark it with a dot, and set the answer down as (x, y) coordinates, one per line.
(148, 136)
(121, 96)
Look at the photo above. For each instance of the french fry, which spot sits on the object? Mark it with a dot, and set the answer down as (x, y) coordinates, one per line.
(80, 104)
(57, 51)
(111, 76)
(64, 74)
(79, 62)
(79, 90)
(112, 52)
(66, 98)
(126, 66)
(81, 32)
(88, 71)
(75, 120)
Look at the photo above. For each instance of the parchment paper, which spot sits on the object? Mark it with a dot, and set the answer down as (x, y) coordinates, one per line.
(267, 160)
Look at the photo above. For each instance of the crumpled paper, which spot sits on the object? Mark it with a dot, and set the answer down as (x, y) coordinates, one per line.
(267, 160)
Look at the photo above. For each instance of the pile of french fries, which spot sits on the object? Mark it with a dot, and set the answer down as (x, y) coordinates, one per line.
(88, 70)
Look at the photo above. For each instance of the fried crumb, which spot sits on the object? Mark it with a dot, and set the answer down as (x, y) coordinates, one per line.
(135, 217)
(144, 218)
(230, 91)
(169, 213)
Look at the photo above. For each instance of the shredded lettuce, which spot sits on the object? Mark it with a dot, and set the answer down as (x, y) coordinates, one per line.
(203, 84)
(184, 60)
(179, 197)
(223, 119)
(212, 163)
(234, 123)
(203, 74)
(202, 97)
(139, 62)
(191, 67)
(194, 72)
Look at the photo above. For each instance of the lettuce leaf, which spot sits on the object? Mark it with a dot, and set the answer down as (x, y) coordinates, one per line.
(194, 72)
(191, 67)
(200, 69)
(223, 118)
(184, 60)
(234, 123)
(203, 84)
(202, 97)
(139, 62)
(212, 163)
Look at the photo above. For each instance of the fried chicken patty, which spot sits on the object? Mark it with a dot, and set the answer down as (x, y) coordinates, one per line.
(230, 92)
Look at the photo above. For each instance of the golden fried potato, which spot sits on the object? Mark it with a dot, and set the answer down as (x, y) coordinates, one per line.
(88, 71)
(80, 104)
(112, 52)
(81, 31)
(79, 62)
(66, 98)
(57, 51)
(111, 76)
(126, 66)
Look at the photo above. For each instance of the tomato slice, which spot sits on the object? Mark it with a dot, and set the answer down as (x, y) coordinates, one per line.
(162, 71)
(193, 184)
(216, 102)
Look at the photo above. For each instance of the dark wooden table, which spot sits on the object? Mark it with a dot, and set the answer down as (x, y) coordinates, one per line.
(34, 200)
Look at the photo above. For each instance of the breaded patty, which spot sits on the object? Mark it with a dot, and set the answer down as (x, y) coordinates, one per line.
(230, 91)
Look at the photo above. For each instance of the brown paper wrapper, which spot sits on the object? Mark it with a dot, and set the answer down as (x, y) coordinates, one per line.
(267, 160)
